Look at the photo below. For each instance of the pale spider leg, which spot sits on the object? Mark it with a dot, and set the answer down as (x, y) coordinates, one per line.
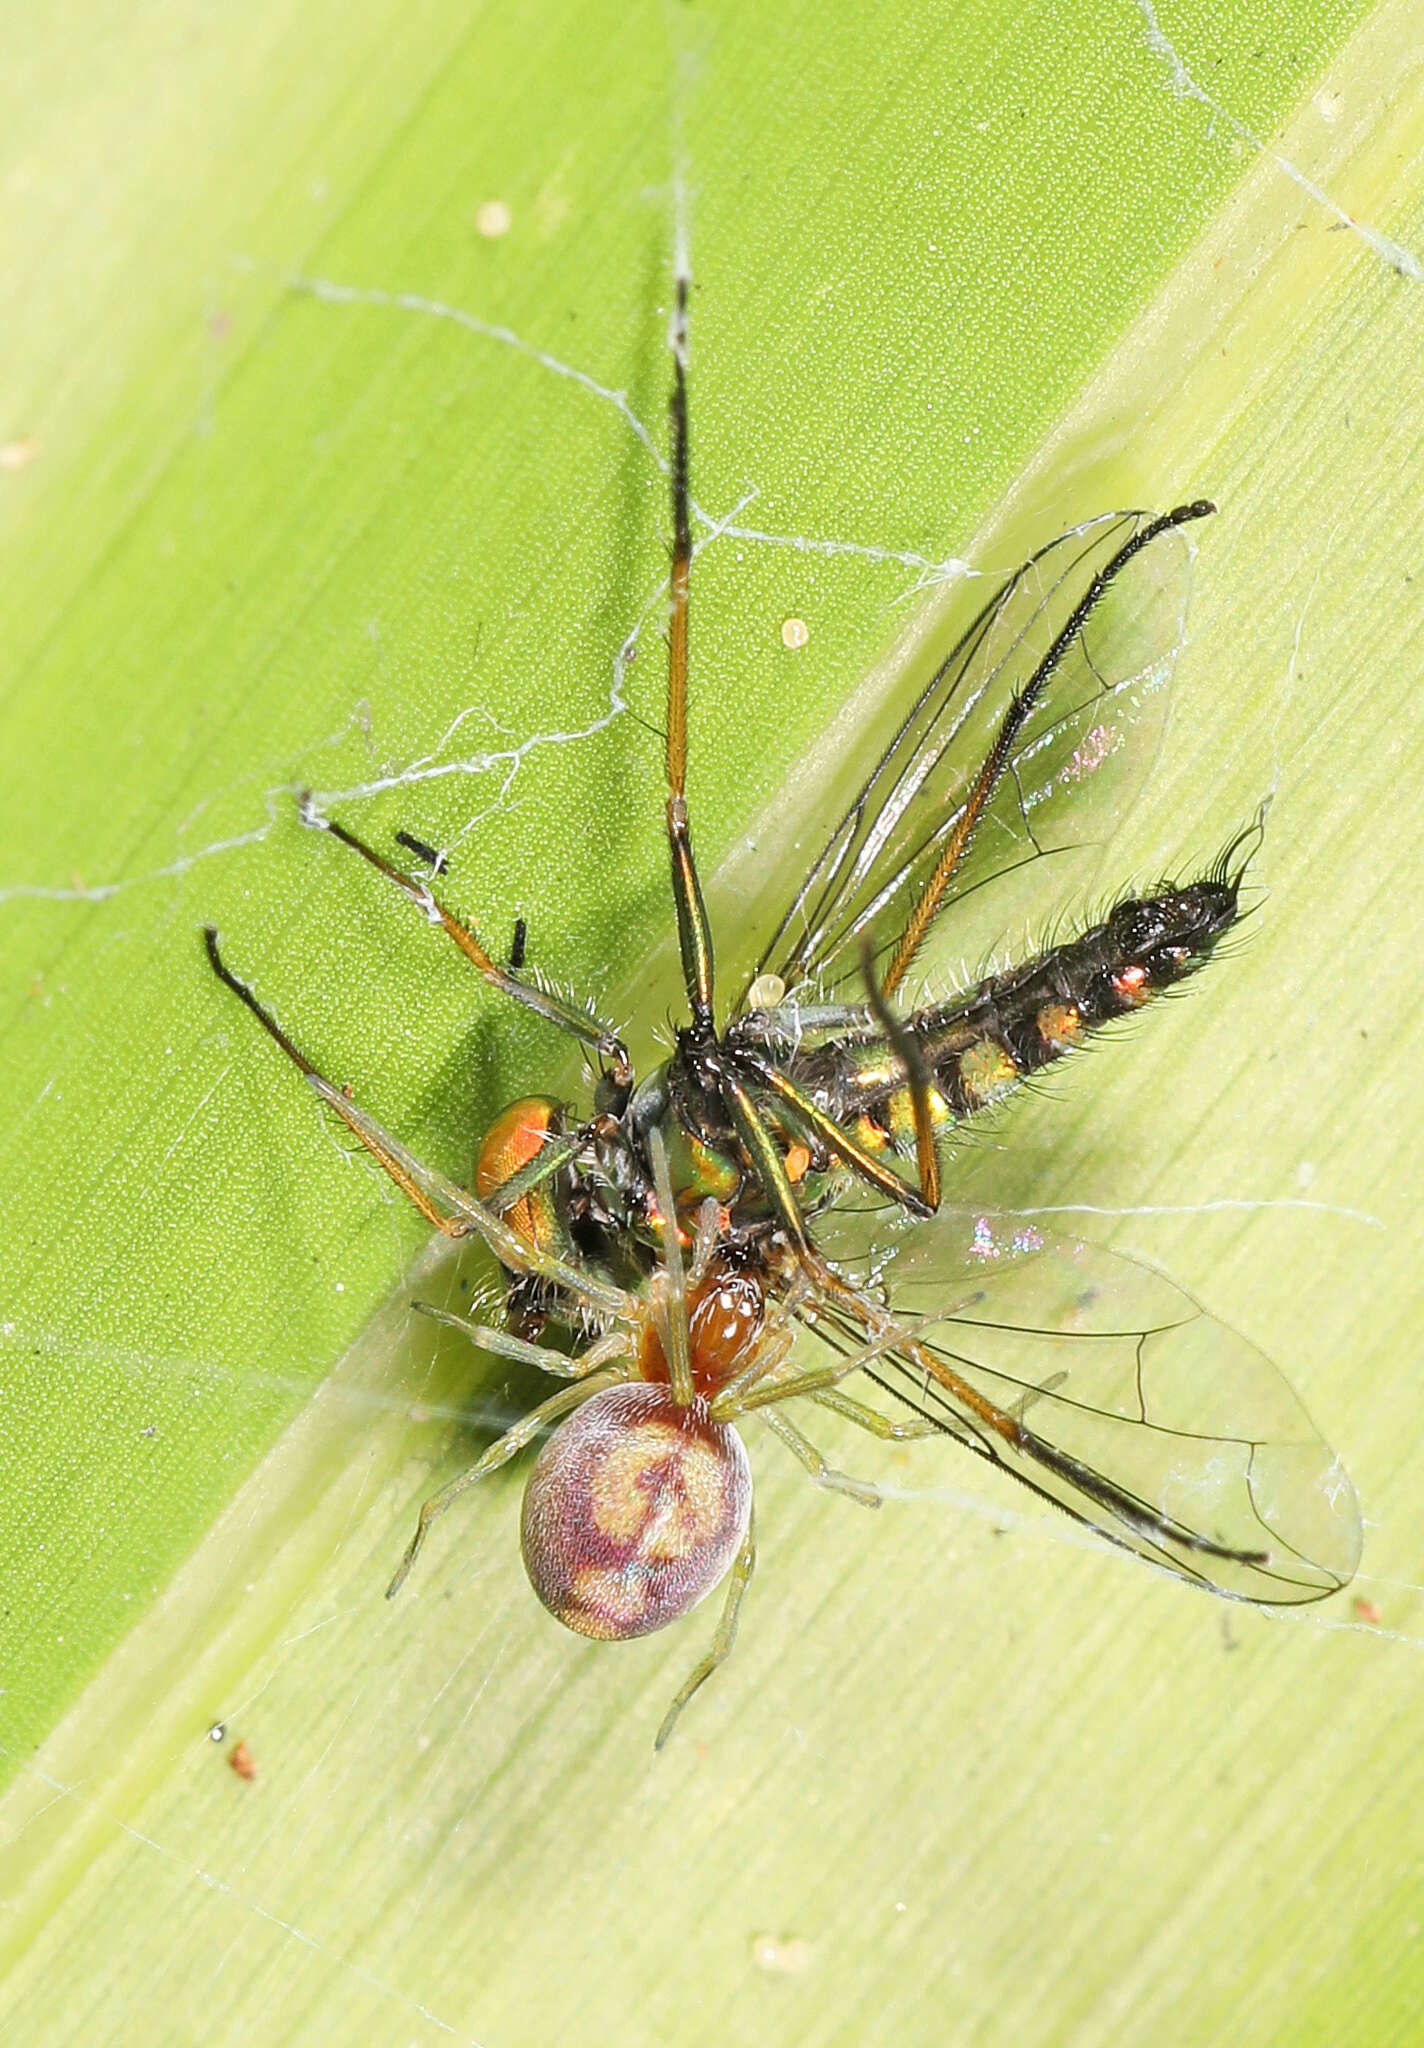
(499, 1453)
(805, 1453)
(705, 1239)
(430, 1190)
(871, 1420)
(556, 1151)
(669, 1303)
(598, 1037)
(813, 1382)
(504, 1344)
(723, 1640)
(772, 1351)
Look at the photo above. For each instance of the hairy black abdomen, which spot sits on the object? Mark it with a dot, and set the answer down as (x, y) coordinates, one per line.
(1036, 1012)
(978, 1047)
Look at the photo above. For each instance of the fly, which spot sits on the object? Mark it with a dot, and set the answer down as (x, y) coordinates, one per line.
(716, 1232)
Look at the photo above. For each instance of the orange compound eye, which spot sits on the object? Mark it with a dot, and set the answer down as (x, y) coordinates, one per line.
(633, 1513)
(512, 1140)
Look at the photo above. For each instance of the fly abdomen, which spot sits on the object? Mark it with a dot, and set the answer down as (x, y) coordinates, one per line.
(1019, 1022)
(979, 1047)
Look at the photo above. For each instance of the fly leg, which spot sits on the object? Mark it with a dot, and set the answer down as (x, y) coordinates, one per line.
(449, 1207)
(693, 933)
(599, 1038)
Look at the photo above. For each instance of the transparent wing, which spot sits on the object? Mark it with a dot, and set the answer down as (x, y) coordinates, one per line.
(1126, 1404)
(1074, 769)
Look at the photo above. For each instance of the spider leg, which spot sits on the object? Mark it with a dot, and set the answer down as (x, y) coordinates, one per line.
(499, 1453)
(737, 1399)
(669, 1303)
(872, 1421)
(504, 1344)
(804, 1451)
(722, 1641)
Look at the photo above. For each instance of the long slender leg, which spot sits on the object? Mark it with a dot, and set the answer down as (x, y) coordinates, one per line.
(805, 1453)
(556, 1151)
(979, 1413)
(504, 1344)
(771, 1353)
(450, 1208)
(789, 1023)
(765, 1160)
(723, 1640)
(837, 1140)
(907, 1049)
(599, 1038)
(681, 547)
(1015, 718)
(669, 1302)
(872, 1421)
(890, 1338)
(705, 1240)
(693, 933)
(763, 1155)
(499, 1453)
(1031, 1396)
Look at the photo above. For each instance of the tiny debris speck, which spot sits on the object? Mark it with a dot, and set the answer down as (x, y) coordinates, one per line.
(241, 1759)
(781, 1956)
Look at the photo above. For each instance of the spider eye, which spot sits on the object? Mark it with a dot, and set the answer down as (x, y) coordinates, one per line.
(634, 1511)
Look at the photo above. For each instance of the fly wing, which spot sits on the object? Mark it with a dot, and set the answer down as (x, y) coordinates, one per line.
(1106, 1390)
(1074, 767)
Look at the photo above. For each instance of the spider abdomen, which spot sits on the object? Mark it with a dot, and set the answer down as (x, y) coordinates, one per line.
(634, 1511)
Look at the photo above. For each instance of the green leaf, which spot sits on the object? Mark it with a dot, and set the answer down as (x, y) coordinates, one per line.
(961, 277)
